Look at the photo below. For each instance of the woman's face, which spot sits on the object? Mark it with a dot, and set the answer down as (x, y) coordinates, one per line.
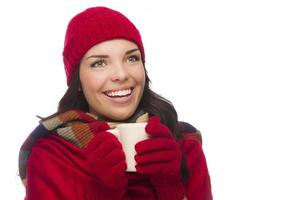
(112, 78)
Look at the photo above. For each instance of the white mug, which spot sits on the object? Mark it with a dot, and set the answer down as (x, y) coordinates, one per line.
(129, 134)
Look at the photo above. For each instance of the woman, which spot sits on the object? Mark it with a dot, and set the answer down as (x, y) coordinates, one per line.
(72, 154)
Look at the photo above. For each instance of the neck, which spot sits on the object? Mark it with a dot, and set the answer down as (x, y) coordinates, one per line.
(131, 119)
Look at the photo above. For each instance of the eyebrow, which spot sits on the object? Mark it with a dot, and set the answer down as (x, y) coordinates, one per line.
(131, 51)
(106, 56)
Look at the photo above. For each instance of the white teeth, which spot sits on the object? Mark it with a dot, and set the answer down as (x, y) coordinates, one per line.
(119, 93)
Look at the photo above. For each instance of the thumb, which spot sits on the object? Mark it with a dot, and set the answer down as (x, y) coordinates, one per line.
(98, 126)
(156, 128)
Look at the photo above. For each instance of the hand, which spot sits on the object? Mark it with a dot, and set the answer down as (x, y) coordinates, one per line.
(159, 157)
(106, 160)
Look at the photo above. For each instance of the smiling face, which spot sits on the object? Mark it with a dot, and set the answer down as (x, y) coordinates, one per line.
(112, 78)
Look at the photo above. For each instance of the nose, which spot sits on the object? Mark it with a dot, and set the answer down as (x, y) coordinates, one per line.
(119, 73)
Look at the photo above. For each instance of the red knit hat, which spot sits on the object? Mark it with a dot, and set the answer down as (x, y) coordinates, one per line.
(92, 26)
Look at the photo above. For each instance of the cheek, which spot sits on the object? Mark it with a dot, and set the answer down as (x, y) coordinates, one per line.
(91, 81)
(139, 76)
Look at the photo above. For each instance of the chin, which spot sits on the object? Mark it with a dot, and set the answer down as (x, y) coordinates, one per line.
(121, 116)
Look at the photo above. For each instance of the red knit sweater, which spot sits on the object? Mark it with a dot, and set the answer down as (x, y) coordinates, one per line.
(56, 170)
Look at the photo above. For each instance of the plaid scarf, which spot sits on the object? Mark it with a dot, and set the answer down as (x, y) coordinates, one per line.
(74, 126)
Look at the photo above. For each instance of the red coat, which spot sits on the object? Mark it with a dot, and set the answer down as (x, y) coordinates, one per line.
(57, 170)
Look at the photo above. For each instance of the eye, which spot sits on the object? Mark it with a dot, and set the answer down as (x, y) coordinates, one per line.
(99, 63)
(133, 58)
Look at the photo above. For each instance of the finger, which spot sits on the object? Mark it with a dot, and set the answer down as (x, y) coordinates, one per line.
(153, 168)
(155, 144)
(154, 157)
(98, 126)
(98, 139)
(156, 129)
(112, 159)
(154, 119)
(116, 170)
(107, 146)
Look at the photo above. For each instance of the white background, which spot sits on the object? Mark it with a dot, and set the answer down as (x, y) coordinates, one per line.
(225, 65)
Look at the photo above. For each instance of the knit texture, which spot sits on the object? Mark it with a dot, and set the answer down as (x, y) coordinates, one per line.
(106, 161)
(74, 126)
(160, 159)
(56, 169)
(92, 26)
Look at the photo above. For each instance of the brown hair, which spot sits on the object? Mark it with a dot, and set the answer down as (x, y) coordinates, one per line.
(150, 102)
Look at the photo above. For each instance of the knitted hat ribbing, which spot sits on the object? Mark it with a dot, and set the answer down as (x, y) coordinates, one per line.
(92, 26)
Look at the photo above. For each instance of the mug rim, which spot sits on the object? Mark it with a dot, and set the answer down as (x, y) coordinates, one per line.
(138, 124)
